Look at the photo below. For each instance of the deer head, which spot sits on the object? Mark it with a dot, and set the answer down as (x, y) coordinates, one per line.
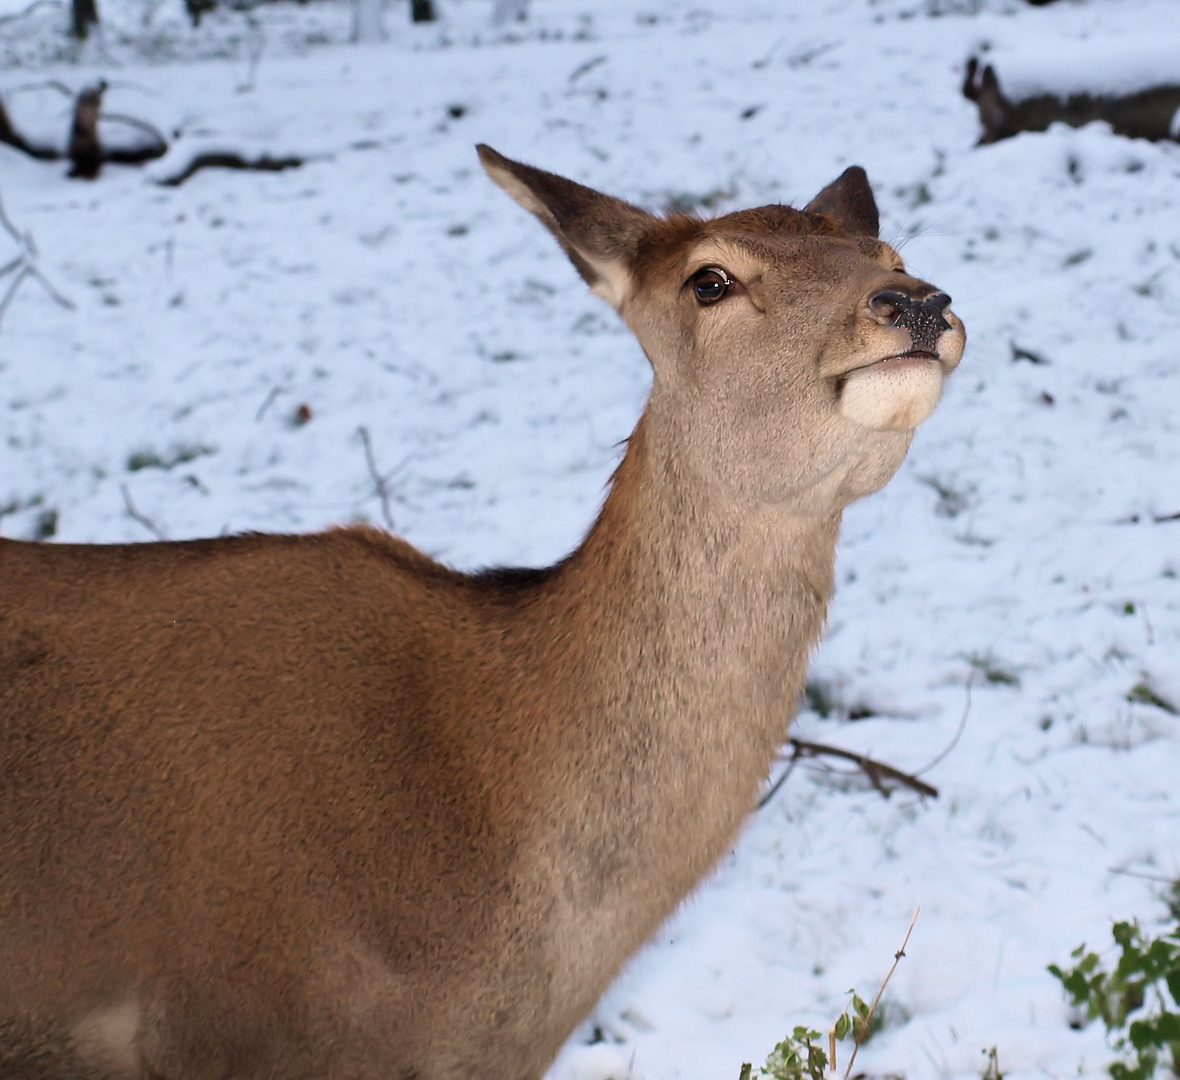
(790, 348)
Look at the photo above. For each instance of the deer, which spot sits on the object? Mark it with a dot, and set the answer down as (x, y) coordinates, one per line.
(320, 806)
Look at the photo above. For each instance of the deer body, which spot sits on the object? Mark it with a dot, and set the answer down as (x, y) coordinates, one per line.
(317, 806)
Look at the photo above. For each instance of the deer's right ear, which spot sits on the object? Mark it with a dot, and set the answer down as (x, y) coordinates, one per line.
(600, 234)
(849, 200)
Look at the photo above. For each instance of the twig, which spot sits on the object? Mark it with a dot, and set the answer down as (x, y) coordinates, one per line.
(12, 289)
(270, 400)
(877, 771)
(862, 1027)
(29, 10)
(143, 519)
(380, 481)
(24, 265)
(231, 161)
(943, 754)
(1140, 874)
(795, 756)
(140, 154)
(586, 68)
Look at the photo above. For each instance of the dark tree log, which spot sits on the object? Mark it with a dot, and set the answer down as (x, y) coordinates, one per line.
(10, 136)
(197, 8)
(1146, 114)
(85, 151)
(85, 14)
(231, 161)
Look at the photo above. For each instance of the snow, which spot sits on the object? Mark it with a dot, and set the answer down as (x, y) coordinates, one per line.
(1087, 59)
(387, 284)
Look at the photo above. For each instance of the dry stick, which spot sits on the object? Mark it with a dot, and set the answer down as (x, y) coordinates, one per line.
(16, 284)
(1140, 874)
(380, 482)
(270, 400)
(143, 519)
(862, 1027)
(942, 755)
(25, 265)
(136, 155)
(29, 10)
(876, 771)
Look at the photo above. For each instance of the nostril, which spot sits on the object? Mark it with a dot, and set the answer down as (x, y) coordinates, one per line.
(938, 303)
(888, 305)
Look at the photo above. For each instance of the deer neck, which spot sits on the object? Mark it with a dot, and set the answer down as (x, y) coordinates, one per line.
(703, 615)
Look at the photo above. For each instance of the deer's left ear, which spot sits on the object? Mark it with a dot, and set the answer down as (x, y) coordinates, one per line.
(600, 234)
(849, 200)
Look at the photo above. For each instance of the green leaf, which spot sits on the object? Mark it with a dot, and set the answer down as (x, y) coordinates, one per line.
(843, 1026)
(745, 1073)
(1168, 1027)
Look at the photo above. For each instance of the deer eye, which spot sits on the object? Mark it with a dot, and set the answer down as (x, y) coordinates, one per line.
(710, 285)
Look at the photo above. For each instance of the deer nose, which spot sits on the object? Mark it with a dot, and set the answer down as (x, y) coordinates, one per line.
(920, 315)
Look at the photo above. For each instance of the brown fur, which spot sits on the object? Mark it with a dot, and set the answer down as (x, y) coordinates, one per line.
(315, 806)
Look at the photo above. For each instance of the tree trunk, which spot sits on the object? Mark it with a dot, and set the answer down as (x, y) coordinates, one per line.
(422, 11)
(85, 151)
(197, 8)
(85, 16)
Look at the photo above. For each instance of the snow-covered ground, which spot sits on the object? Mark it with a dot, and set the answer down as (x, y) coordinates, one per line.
(1021, 568)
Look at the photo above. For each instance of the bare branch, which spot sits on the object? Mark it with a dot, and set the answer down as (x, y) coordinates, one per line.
(24, 265)
(12, 289)
(268, 402)
(879, 774)
(136, 155)
(143, 519)
(4, 19)
(380, 481)
(54, 295)
(942, 755)
(266, 163)
(862, 1027)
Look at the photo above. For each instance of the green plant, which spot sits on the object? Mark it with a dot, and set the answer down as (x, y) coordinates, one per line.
(992, 670)
(800, 1056)
(1144, 693)
(991, 1070)
(1134, 995)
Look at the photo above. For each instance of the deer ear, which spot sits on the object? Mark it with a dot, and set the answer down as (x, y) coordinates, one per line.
(849, 200)
(600, 234)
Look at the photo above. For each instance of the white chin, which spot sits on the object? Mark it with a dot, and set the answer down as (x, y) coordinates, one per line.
(892, 395)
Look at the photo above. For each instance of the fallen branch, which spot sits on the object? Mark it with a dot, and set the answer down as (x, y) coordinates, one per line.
(136, 155)
(942, 755)
(380, 480)
(1145, 114)
(11, 137)
(231, 161)
(1158, 519)
(143, 519)
(24, 266)
(14, 16)
(878, 772)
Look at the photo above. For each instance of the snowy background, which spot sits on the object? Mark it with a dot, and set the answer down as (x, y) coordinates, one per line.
(1021, 569)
